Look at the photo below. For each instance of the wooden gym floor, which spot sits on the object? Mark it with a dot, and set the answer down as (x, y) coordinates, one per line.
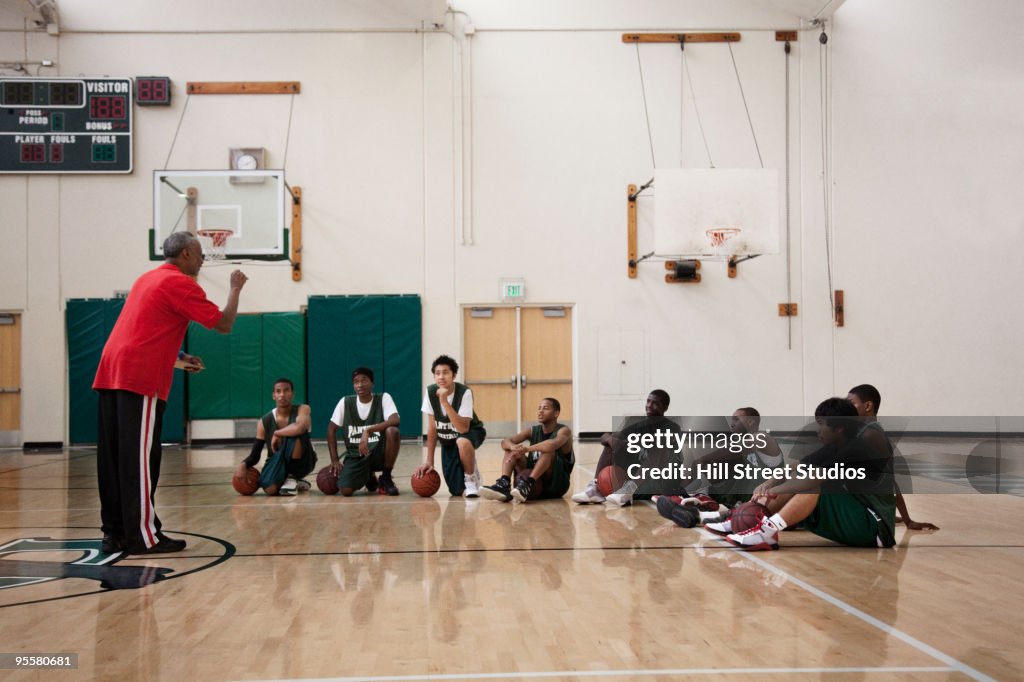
(406, 588)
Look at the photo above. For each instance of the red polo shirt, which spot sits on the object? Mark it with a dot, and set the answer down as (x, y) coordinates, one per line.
(140, 353)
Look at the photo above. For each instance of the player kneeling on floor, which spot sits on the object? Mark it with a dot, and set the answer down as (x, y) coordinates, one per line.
(454, 423)
(291, 456)
(369, 424)
(547, 458)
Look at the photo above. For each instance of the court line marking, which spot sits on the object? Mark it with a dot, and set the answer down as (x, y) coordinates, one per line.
(953, 663)
(631, 673)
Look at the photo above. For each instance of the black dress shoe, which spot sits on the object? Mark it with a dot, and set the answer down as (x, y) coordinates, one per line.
(112, 544)
(164, 545)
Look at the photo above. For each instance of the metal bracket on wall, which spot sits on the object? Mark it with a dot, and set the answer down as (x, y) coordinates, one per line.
(296, 234)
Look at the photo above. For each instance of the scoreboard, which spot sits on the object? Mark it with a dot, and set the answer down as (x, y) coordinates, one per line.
(65, 125)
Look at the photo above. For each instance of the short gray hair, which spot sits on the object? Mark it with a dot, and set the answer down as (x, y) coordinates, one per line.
(176, 243)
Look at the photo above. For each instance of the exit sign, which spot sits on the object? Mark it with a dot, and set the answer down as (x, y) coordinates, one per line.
(513, 289)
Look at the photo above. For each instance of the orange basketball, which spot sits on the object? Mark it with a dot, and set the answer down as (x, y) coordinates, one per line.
(249, 484)
(427, 484)
(610, 479)
(327, 481)
(747, 515)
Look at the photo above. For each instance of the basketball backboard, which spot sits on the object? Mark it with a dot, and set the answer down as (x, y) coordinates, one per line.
(253, 209)
(696, 207)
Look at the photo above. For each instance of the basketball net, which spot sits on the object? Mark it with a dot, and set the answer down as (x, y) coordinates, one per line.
(214, 241)
(719, 238)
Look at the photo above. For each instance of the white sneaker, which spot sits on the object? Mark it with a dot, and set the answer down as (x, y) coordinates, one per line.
(589, 495)
(723, 527)
(472, 484)
(624, 495)
(762, 536)
(302, 485)
(289, 485)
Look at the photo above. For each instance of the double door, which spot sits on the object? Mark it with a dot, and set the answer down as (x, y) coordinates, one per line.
(514, 358)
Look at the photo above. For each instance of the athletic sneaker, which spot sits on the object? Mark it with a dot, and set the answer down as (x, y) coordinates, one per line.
(111, 544)
(685, 516)
(387, 486)
(371, 483)
(762, 536)
(589, 495)
(501, 491)
(624, 495)
(704, 503)
(290, 485)
(722, 527)
(302, 485)
(164, 545)
(472, 484)
(675, 499)
(523, 489)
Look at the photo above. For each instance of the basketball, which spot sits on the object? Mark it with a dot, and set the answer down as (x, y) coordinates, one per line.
(747, 515)
(610, 479)
(327, 481)
(538, 484)
(249, 484)
(427, 484)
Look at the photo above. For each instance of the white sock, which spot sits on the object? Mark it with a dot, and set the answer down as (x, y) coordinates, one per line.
(777, 521)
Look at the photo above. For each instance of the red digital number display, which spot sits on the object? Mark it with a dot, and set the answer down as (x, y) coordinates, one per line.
(56, 153)
(108, 106)
(150, 91)
(34, 152)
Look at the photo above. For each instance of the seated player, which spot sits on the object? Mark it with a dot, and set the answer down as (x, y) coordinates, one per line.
(858, 513)
(363, 418)
(291, 456)
(731, 491)
(867, 400)
(615, 452)
(547, 457)
(454, 423)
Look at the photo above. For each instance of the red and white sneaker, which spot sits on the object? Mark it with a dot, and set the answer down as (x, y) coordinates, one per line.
(704, 503)
(719, 524)
(761, 537)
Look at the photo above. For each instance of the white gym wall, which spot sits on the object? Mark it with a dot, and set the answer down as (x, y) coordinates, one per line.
(405, 190)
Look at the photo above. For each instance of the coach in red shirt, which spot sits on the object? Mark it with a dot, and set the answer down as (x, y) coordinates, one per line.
(133, 380)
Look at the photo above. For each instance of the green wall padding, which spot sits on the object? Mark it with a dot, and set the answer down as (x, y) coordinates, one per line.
(241, 366)
(248, 395)
(381, 332)
(403, 359)
(88, 323)
(209, 394)
(284, 353)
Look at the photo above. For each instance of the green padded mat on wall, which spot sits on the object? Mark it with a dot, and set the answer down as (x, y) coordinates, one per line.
(380, 332)
(242, 366)
(88, 323)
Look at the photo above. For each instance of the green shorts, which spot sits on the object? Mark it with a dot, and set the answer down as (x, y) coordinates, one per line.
(556, 479)
(357, 469)
(843, 519)
(451, 466)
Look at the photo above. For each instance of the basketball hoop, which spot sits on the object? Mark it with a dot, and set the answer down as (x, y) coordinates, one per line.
(719, 238)
(214, 241)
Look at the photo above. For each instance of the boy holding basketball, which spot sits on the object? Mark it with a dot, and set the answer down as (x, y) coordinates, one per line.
(454, 423)
(547, 457)
(867, 400)
(291, 456)
(363, 419)
(854, 512)
(615, 452)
